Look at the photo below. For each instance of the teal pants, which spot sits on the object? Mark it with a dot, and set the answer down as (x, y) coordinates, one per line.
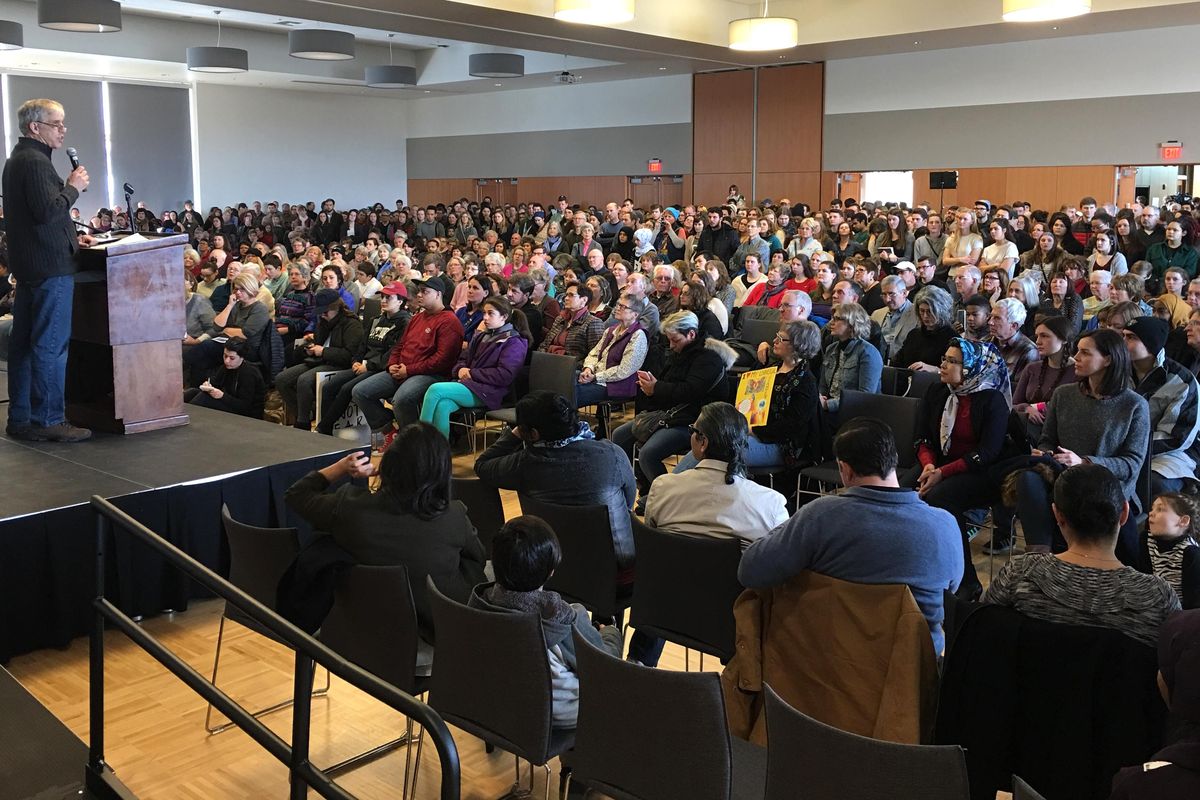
(442, 400)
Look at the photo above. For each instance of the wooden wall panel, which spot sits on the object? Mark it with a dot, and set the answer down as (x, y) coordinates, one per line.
(712, 189)
(424, 191)
(829, 188)
(722, 125)
(1038, 185)
(595, 190)
(1126, 186)
(790, 117)
(798, 187)
(851, 186)
(1074, 183)
(985, 182)
(689, 195)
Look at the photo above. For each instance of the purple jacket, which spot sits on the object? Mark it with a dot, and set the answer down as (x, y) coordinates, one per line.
(494, 360)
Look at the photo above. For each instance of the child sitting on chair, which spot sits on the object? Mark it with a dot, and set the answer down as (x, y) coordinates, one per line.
(525, 553)
(1170, 548)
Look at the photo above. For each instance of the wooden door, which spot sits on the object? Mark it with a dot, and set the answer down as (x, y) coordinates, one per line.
(646, 190)
(501, 190)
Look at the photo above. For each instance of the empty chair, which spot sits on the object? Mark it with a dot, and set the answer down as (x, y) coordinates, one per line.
(895, 381)
(757, 331)
(547, 371)
(1023, 791)
(493, 680)
(809, 759)
(258, 557)
(372, 307)
(385, 644)
(919, 383)
(650, 734)
(686, 588)
(588, 573)
(484, 508)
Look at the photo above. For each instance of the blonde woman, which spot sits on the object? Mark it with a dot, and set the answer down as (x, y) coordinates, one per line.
(964, 245)
(807, 239)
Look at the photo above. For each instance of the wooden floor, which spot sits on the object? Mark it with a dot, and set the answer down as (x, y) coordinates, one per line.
(155, 733)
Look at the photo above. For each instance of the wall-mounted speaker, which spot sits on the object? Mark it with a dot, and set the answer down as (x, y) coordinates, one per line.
(943, 180)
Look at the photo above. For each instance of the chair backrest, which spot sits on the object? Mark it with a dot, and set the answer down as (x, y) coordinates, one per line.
(895, 381)
(372, 307)
(649, 733)
(491, 676)
(588, 572)
(686, 587)
(1023, 791)
(373, 622)
(555, 373)
(484, 508)
(757, 331)
(900, 413)
(920, 382)
(832, 765)
(258, 557)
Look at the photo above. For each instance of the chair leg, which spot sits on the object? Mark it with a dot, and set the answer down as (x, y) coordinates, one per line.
(687, 663)
(216, 660)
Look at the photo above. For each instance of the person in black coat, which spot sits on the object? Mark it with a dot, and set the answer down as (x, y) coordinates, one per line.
(236, 386)
(338, 343)
(42, 243)
(962, 434)
(925, 345)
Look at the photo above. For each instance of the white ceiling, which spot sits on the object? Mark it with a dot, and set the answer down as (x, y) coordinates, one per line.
(437, 36)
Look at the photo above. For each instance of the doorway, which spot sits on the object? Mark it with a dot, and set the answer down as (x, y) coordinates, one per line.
(646, 190)
(887, 187)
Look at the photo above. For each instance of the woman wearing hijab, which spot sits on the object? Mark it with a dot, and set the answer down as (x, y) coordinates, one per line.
(1173, 773)
(624, 244)
(963, 433)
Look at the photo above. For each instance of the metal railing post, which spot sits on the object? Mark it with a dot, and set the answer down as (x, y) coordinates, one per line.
(301, 723)
(96, 658)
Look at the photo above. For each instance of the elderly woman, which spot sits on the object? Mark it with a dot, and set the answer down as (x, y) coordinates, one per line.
(1062, 301)
(1025, 287)
(410, 520)
(339, 341)
(610, 368)
(850, 361)
(586, 242)
(925, 345)
(769, 292)
(692, 376)
(962, 434)
(244, 317)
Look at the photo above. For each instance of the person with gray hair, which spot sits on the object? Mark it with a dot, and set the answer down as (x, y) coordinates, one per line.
(1100, 286)
(1004, 324)
(42, 243)
(927, 343)
(648, 317)
(692, 375)
(850, 362)
(898, 317)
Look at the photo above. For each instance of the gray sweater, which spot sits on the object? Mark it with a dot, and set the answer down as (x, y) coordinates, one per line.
(1113, 432)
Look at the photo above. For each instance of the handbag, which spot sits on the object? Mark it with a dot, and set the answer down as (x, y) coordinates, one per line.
(647, 423)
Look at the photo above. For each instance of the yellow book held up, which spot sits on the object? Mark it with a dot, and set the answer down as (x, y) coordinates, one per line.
(754, 395)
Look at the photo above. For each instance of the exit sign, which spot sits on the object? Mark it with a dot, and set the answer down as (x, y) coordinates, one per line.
(654, 165)
(1170, 151)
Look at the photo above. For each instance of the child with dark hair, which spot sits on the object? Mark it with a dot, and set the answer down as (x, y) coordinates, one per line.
(1169, 546)
(525, 553)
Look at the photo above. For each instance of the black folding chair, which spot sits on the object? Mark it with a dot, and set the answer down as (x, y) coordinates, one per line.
(484, 508)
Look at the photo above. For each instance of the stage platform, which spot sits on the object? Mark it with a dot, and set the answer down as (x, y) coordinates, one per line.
(172, 480)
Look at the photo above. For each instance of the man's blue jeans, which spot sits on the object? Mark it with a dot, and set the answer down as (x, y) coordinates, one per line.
(406, 398)
(37, 358)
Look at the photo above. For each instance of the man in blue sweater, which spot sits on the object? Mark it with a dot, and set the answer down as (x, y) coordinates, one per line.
(874, 532)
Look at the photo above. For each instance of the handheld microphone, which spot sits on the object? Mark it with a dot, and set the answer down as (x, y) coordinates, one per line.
(128, 189)
(74, 156)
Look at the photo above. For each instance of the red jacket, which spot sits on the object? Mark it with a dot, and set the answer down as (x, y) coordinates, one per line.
(430, 345)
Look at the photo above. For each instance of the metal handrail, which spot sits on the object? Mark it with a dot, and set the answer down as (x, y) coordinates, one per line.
(302, 774)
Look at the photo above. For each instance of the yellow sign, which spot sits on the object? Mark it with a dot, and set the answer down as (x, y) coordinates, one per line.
(754, 395)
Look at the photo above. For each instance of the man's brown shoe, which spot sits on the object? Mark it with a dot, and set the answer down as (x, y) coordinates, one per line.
(62, 432)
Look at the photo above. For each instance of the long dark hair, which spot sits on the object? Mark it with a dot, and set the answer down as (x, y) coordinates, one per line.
(1116, 375)
(415, 471)
(725, 429)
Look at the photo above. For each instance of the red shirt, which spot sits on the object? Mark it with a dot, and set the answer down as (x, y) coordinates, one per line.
(962, 441)
(430, 344)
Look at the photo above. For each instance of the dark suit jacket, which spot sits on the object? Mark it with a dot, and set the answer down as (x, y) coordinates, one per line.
(37, 206)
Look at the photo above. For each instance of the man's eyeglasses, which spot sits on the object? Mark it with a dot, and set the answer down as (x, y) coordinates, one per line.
(694, 431)
(58, 125)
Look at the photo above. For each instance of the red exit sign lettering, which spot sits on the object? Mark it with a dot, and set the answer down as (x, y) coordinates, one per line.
(654, 165)
(1170, 151)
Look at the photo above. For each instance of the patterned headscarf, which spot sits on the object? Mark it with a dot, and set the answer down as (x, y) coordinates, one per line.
(983, 368)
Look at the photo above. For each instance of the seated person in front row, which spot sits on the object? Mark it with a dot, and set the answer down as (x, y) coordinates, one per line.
(875, 532)
(236, 386)
(1087, 584)
(1169, 546)
(525, 553)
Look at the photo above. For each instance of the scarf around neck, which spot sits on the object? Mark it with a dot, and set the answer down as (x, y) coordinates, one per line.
(983, 368)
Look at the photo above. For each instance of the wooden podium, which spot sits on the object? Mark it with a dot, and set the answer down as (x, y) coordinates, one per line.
(125, 364)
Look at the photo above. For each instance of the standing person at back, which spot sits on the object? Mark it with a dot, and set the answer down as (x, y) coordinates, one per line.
(41, 247)
(875, 532)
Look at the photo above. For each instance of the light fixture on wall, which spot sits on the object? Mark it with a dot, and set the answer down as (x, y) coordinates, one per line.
(217, 59)
(760, 34)
(496, 65)
(390, 76)
(80, 16)
(594, 12)
(316, 44)
(12, 35)
(1043, 10)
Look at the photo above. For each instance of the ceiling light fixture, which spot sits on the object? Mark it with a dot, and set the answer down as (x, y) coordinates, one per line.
(760, 34)
(217, 59)
(316, 44)
(1043, 10)
(594, 12)
(389, 75)
(12, 35)
(496, 65)
(80, 16)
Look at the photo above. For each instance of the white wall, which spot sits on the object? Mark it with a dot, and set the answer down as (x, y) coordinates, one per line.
(298, 146)
(643, 101)
(1074, 67)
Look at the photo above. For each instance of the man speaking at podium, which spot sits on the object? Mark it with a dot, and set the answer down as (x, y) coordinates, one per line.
(42, 243)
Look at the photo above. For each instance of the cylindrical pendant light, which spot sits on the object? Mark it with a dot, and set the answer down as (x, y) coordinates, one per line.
(82, 16)
(390, 76)
(760, 34)
(594, 12)
(217, 59)
(321, 45)
(1044, 10)
(12, 35)
(496, 65)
